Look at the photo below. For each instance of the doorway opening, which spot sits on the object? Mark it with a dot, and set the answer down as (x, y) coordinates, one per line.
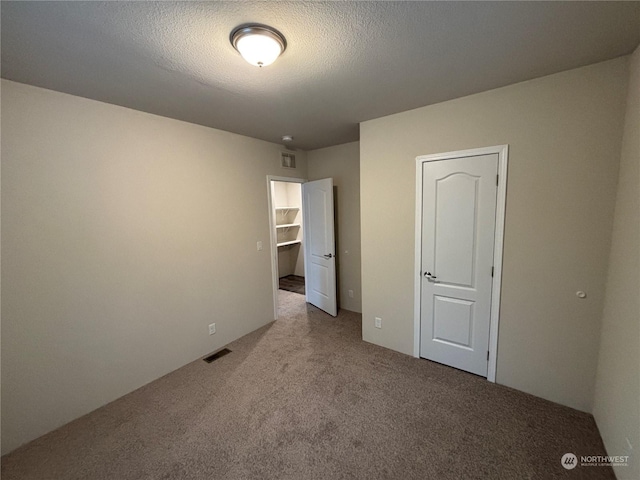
(303, 252)
(287, 199)
(287, 236)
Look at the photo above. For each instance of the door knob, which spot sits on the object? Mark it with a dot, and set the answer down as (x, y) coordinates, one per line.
(428, 275)
(328, 256)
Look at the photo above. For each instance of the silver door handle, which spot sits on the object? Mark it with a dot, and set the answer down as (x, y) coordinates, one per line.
(429, 277)
(330, 255)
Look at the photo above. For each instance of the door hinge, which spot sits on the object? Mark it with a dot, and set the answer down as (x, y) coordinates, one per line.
(497, 180)
(492, 272)
(487, 355)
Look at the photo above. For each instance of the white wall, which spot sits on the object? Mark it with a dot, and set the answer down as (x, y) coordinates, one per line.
(564, 133)
(342, 162)
(617, 395)
(124, 235)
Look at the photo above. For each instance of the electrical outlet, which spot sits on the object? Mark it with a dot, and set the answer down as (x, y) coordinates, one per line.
(212, 328)
(378, 322)
(259, 246)
(350, 293)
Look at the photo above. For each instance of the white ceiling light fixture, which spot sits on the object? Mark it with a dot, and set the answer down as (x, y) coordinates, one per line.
(259, 45)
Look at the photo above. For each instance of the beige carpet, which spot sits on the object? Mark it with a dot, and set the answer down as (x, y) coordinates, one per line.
(305, 398)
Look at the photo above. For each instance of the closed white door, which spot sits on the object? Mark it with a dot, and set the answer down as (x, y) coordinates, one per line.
(458, 235)
(319, 245)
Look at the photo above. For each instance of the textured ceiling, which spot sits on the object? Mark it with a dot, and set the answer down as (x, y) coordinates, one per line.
(345, 62)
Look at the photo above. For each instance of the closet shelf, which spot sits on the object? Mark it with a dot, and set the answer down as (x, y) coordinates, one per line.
(292, 242)
(288, 225)
(287, 208)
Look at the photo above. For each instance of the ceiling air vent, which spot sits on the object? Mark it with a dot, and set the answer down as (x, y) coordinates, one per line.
(288, 160)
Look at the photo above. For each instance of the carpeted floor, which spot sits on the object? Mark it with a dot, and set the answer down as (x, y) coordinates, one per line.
(292, 283)
(305, 398)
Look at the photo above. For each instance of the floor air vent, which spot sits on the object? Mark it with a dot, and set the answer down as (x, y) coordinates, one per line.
(217, 355)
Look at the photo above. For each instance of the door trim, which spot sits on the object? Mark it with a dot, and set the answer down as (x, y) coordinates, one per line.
(503, 157)
(273, 239)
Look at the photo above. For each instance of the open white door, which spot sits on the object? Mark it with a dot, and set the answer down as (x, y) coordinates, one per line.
(319, 245)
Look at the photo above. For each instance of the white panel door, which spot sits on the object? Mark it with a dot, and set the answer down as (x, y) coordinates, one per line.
(319, 245)
(458, 234)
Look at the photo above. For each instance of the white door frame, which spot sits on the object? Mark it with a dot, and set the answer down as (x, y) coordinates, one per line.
(503, 157)
(274, 239)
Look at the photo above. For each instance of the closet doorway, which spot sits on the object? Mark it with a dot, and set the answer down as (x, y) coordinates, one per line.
(303, 253)
(287, 235)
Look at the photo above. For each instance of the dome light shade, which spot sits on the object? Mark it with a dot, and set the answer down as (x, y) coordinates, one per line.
(258, 44)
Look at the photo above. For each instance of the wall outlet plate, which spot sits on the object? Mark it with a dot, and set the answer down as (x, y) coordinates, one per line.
(212, 329)
(378, 321)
